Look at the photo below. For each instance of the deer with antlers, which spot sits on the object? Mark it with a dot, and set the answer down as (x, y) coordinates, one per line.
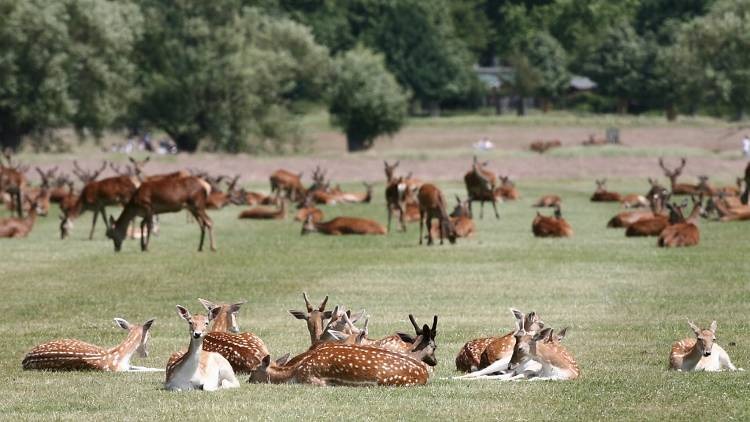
(284, 182)
(700, 353)
(602, 194)
(76, 355)
(13, 183)
(480, 186)
(308, 208)
(654, 225)
(198, 369)
(684, 233)
(555, 226)
(19, 227)
(159, 197)
(432, 205)
(672, 175)
(343, 226)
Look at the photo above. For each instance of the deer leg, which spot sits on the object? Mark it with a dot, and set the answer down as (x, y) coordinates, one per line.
(421, 221)
(93, 224)
(442, 229)
(481, 208)
(390, 214)
(401, 217)
(104, 217)
(428, 223)
(19, 208)
(494, 207)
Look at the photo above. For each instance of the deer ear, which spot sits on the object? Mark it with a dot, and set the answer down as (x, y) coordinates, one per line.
(147, 325)
(266, 361)
(406, 338)
(695, 328)
(207, 304)
(122, 323)
(183, 312)
(235, 307)
(713, 327)
(562, 333)
(542, 334)
(516, 313)
(282, 360)
(213, 313)
(298, 314)
(327, 314)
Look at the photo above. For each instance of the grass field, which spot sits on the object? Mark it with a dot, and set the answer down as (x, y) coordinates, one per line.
(625, 300)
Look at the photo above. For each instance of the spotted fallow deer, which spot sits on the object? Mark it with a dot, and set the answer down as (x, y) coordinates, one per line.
(315, 318)
(76, 355)
(487, 355)
(159, 197)
(480, 186)
(548, 201)
(198, 369)
(700, 353)
(554, 226)
(343, 226)
(537, 356)
(432, 205)
(685, 233)
(603, 195)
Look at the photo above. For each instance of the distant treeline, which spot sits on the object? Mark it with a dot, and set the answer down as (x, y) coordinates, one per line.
(235, 75)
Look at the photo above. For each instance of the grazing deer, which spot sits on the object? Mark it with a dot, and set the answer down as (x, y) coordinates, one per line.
(480, 186)
(685, 233)
(342, 226)
(198, 369)
(315, 317)
(672, 175)
(700, 353)
(555, 226)
(432, 205)
(95, 197)
(548, 201)
(265, 213)
(159, 197)
(487, 355)
(19, 227)
(75, 355)
(287, 183)
(461, 219)
(603, 195)
(507, 189)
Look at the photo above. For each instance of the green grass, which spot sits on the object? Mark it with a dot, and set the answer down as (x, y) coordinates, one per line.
(625, 300)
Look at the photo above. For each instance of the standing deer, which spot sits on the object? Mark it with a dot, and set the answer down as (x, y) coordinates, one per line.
(95, 197)
(342, 226)
(197, 369)
(603, 195)
(159, 197)
(700, 353)
(555, 226)
(13, 183)
(480, 186)
(685, 233)
(287, 183)
(432, 205)
(75, 355)
(672, 175)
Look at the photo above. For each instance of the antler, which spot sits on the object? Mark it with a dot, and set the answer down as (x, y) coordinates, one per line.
(322, 306)
(307, 302)
(414, 323)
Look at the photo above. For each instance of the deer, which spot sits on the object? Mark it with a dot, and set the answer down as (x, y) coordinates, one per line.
(265, 213)
(553, 361)
(507, 189)
(745, 197)
(287, 183)
(461, 219)
(76, 355)
(400, 196)
(357, 198)
(59, 188)
(308, 208)
(685, 233)
(42, 194)
(654, 225)
(672, 175)
(480, 186)
(487, 355)
(700, 353)
(726, 210)
(197, 369)
(88, 176)
(602, 194)
(432, 205)
(20, 227)
(554, 226)
(315, 318)
(13, 183)
(159, 197)
(626, 218)
(548, 201)
(542, 146)
(343, 226)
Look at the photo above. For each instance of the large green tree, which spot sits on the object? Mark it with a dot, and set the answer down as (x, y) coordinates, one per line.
(549, 61)
(64, 63)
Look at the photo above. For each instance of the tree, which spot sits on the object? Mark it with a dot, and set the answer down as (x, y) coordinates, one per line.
(549, 61)
(617, 63)
(526, 80)
(218, 71)
(365, 99)
(64, 63)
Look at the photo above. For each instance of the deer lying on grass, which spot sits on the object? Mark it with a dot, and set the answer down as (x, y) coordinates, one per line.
(306, 209)
(480, 186)
(265, 213)
(41, 194)
(626, 218)
(654, 225)
(286, 183)
(197, 369)
(685, 233)
(548, 201)
(159, 197)
(342, 226)
(16, 227)
(507, 189)
(542, 146)
(539, 356)
(487, 355)
(672, 175)
(726, 210)
(603, 195)
(432, 205)
(461, 219)
(75, 355)
(315, 318)
(700, 353)
(555, 226)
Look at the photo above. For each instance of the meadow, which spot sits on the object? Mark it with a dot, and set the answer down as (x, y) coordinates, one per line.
(625, 301)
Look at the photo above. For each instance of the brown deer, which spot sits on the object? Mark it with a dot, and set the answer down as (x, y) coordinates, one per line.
(315, 318)
(507, 189)
(554, 226)
(400, 342)
(535, 356)
(603, 195)
(633, 200)
(197, 369)
(13, 183)
(685, 233)
(357, 198)
(88, 176)
(701, 353)
(308, 209)
(461, 219)
(487, 355)
(76, 355)
(265, 213)
(432, 205)
(654, 225)
(672, 175)
(159, 197)
(480, 186)
(548, 201)
(284, 182)
(389, 170)
(626, 218)
(542, 146)
(19, 227)
(727, 210)
(95, 197)
(343, 226)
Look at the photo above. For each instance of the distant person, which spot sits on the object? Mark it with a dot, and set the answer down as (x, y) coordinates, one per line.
(746, 146)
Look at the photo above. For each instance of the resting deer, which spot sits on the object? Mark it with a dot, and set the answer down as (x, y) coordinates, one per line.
(685, 233)
(75, 355)
(507, 189)
(461, 219)
(480, 186)
(403, 343)
(700, 353)
(197, 369)
(654, 225)
(265, 213)
(315, 317)
(159, 197)
(432, 205)
(555, 226)
(487, 355)
(287, 183)
(603, 195)
(308, 209)
(19, 227)
(548, 201)
(553, 361)
(672, 175)
(542, 146)
(626, 218)
(343, 226)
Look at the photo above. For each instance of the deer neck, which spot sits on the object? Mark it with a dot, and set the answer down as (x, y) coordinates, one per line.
(692, 356)
(118, 357)
(280, 374)
(123, 221)
(221, 323)
(190, 362)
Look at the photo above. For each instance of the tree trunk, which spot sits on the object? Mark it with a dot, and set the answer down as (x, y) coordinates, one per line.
(546, 105)
(521, 106)
(355, 143)
(434, 108)
(622, 106)
(671, 112)
(10, 139)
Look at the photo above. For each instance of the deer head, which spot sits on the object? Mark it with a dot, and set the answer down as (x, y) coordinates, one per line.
(704, 338)
(117, 236)
(462, 208)
(198, 323)
(672, 174)
(261, 374)
(142, 349)
(601, 185)
(314, 317)
(423, 345)
(138, 165)
(226, 320)
(389, 169)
